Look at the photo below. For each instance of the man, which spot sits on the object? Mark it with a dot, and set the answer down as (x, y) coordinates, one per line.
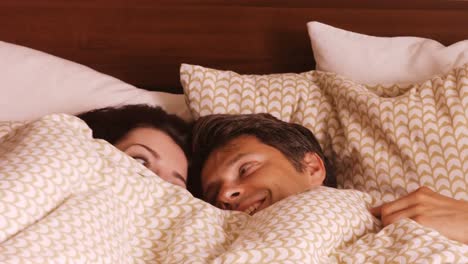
(244, 160)
(249, 162)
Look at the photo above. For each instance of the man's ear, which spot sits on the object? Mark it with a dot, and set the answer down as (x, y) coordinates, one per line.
(315, 168)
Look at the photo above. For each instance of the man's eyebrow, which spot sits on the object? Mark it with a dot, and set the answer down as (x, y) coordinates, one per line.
(235, 159)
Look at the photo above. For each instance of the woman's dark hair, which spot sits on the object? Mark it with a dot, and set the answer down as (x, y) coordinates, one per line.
(292, 140)
(113, 123)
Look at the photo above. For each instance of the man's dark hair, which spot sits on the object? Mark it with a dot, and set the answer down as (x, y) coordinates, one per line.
(215, 131)
(114, 123)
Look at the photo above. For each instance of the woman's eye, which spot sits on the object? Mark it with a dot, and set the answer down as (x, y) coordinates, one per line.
(142, 161)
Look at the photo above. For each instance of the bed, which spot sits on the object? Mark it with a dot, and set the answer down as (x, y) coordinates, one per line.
(391, 112)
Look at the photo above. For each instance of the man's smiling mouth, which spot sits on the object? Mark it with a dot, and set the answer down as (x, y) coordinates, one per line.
(252, 209)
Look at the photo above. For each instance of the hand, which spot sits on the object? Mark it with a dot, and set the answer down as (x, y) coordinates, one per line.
(428, 208)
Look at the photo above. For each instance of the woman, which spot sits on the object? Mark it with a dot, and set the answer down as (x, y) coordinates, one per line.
(148, 134)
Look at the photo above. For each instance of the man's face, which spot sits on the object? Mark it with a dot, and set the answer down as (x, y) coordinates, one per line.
(247, 175)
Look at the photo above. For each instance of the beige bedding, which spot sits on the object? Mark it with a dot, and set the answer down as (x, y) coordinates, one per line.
(386, 141)
(68, 198)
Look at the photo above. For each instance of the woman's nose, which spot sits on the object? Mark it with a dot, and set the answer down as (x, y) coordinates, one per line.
(229, 196)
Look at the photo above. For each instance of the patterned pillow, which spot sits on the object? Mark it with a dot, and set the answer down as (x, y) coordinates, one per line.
(389, 146)
(386, 142)
(290, 97)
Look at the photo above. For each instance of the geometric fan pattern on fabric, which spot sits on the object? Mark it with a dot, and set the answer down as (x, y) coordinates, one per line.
(383, 140)
(390, 146)
(290, 97)
(68, 198)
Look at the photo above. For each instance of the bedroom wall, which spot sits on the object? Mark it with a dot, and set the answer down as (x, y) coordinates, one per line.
(144, 43)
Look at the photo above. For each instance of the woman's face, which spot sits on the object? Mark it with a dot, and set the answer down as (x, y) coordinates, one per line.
(158, 152)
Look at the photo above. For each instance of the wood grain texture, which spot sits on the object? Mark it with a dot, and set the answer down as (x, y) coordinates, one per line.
(144, 42)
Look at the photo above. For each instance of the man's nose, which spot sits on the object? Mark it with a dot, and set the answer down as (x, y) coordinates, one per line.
(229, 196)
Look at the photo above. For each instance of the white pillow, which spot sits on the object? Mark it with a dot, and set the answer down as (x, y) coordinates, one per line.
(34, 83)
(382, 60)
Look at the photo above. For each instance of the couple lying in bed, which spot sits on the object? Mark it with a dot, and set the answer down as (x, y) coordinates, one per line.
(248, 162)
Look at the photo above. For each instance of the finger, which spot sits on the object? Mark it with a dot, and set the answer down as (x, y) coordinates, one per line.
(410, 212)
(376, 211)
(400, 204)
(420, 196)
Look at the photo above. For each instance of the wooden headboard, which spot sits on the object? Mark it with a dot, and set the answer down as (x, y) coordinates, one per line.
(144, 42)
